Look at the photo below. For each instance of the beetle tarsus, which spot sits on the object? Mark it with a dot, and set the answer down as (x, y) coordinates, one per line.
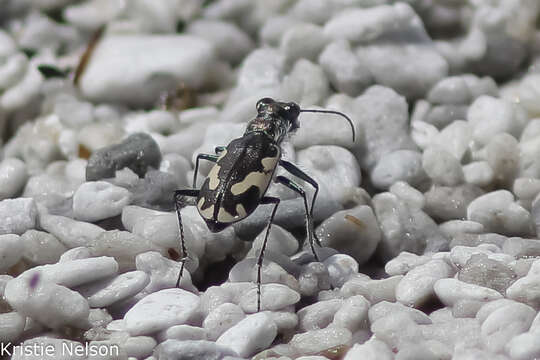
(265, 200)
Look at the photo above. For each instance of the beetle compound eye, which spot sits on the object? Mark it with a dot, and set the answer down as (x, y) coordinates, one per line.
(262, 103)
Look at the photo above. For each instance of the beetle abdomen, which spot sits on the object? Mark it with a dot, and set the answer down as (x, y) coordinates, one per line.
(237, 182)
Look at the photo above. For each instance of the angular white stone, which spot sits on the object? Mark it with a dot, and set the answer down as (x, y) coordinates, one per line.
(71, 233)
(498, 212)
(385, 308)
(490, 116)
(478, 173)
(221, 319)
(442, 167)
(450, 291)
(11, 251)
(74, 272)
(372, 349)
(98, 200)
(17, 215)
(416, 287)
(161, 310)
(253, 333)
(273, 297)
(318, 315)
(41, 248)
(13, 176)
(400, 165)
(353, 314)
(106, 292)
(122, 65)
(316, 341)
(303, 41)
(11, 326)
(354, 232)
(505, 323)
(340, 268)
(48, 303)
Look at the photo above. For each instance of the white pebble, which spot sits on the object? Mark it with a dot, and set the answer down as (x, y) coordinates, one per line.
(74, 272)
(442, 167)
(302, 41)
(48, 303)
(412, 197)
(13, 177)
(400, 165)
(106, 292)
(221, 319)
(11, 326)
(450, 291)
(416, 287)
(385, 308)
(354, 232)
(98, 200)
(11, 251)
(450, 90)
(161, 310)
(345, 70)
(122, 80)
(183, 332)
(490, 116)
(316, 341)
(41, 248)
(253, 333)
(478, 173)
(372, 349)
(340, 268)
(273, 297)
(505, 323)
(498, 212)
(353, 314)
(17, 215)
(71, 233)
(163, 272)
(404, 262)
(318, 315)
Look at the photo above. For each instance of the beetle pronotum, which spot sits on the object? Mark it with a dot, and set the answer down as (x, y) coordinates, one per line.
(243, 170)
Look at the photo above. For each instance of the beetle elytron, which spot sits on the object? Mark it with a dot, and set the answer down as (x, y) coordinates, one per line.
(243, 170)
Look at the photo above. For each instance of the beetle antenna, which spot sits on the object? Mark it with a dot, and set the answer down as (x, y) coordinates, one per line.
(337, 113)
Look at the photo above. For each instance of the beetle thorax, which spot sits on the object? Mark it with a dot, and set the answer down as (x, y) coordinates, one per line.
(274, 127)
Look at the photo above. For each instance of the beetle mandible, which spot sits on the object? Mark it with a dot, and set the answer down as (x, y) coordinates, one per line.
(237, 183)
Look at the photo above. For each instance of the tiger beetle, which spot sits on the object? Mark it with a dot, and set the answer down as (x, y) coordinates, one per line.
(243, 170)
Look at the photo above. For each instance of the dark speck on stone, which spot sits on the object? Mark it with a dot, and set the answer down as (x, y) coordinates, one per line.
(137, 152)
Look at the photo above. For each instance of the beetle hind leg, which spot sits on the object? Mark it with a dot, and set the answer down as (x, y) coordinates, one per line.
(309, 218)
(265, 200)
(179, 201)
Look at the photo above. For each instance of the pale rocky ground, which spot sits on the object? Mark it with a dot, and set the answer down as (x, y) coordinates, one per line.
(430, 220)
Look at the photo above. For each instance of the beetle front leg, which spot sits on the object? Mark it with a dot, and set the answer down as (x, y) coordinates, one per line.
(178, 201)
(209, 157)
(265, 200)
(309, 219)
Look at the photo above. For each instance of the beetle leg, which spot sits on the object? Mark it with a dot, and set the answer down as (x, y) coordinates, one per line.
(296, 171)
(265, 200)
(178, 201)
(209, 157)
(309, 220)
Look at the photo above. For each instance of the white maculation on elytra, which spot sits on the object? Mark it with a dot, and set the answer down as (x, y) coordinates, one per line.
(429, 221)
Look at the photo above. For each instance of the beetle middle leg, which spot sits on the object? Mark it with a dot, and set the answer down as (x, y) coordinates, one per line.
(209, 157)
(178, 202)
(265, 200)
(296, 171)
(309, 219)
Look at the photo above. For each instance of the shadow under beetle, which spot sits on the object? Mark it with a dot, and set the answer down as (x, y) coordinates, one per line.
(243, 170)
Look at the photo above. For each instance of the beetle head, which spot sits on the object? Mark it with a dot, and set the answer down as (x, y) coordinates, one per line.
(275, 118)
